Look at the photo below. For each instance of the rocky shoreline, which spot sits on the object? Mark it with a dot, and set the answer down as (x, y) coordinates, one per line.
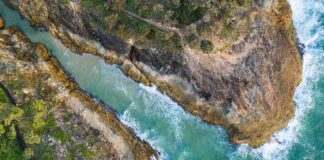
(247, 88)
(140, 148)
(81, 105)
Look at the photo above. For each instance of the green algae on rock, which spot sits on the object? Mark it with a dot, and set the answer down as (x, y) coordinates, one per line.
(76, 126)
(245, 83)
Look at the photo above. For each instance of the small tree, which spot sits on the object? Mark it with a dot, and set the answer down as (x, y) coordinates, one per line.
(9, 114)
(32, 138)
(40, 110)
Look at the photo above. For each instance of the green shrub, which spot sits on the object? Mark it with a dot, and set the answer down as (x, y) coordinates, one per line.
(86, 152)
(131, 5)
(151, 35)
(206, 46)
(3, 97)
(142, 29)
(185, 15)
(60, 135)
(192, 40)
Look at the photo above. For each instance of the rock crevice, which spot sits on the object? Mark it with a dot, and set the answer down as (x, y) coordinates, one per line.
(245, 85)
(34, 60)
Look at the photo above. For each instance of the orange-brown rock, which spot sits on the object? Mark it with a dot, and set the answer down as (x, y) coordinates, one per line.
(35, 59)
(245, 85)
(1, 23)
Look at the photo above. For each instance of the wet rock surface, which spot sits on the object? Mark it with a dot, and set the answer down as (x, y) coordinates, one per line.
(82, 127)
(246, 88)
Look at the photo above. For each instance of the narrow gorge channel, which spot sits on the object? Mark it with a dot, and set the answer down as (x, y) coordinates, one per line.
(177, 134)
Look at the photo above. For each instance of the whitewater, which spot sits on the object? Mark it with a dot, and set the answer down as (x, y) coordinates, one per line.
(175, 133)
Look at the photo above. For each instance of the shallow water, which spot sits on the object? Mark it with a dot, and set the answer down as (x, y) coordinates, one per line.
(179, 135)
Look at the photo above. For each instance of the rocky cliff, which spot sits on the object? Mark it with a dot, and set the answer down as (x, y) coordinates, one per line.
(65, 121)
(232, 63)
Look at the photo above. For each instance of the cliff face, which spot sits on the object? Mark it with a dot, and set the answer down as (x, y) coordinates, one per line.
(74, 125)
(242, 77)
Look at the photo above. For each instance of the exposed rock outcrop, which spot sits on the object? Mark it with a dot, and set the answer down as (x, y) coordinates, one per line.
(245, 85)
(89, 118)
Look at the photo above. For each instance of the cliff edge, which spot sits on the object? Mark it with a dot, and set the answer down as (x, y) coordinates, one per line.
(46, 115)
(234, 64)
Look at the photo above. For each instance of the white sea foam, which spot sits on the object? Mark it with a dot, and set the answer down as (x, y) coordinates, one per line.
(160, 106)
(165, 108)
(129, 121)
(281, 142)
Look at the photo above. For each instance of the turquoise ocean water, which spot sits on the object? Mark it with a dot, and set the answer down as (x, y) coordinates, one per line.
(177, 134)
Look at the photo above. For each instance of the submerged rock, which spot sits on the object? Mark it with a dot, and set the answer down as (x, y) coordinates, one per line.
(244, 83)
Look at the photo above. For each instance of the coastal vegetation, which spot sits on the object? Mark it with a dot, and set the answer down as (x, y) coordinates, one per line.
(34, 122)
(26, 128)
(220, 60)
(169, 21)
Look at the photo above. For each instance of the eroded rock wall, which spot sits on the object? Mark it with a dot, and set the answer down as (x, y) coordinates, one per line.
(89, 118)
(246, 85)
